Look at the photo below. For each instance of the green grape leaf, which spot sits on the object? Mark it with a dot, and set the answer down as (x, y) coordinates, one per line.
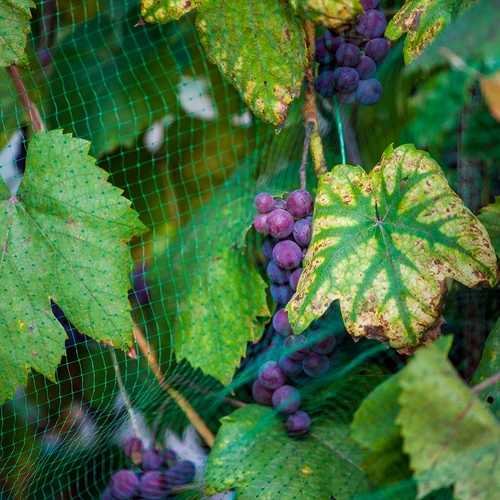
(449, 434)
(383, 244)
(331, 14)
(254, 454)
(164, 11)
(66, 234)
(421, 20)
(490, 217)
(265, 60)
(15, 16)
(221, 311)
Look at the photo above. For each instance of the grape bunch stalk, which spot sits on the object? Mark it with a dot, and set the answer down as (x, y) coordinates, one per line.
(153, 475)
(347, 65)
(294, 358)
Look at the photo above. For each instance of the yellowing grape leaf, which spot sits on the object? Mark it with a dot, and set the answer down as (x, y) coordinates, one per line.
(15, 16)
(164, 11)
(383, 244)
(260, 48)
(331, 14)
(65, 237)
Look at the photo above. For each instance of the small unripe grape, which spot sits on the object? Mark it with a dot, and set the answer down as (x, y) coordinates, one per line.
(154, 485)
(324, 84)
(260, 223)
(302, 231)
(290, 366)
(315, 364)
(322, 54)
(133, 448)
(262, 395)
(124, 484)
(322, 342)
(264, 203)
(332, 42)
(297, 347)
(277, 274)
(152, 460)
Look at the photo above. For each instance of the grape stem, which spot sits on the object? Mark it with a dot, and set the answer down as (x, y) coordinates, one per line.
(177, 396)
(29, 105)
(486, 383)
(310, 111)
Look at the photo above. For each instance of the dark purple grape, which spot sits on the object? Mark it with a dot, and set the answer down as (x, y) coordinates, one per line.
(279, 223)
(369, 92)
(262, 395)
(271, 376)
(264, 203)
(133, 448)
(294, 278)
(297, 347)
(315, 365)
(181, 473)
(366, 68)
(152, 460)
(170, 457)
(369, 4)
(106, 495)
(260, 223)
(322, 54)
(140, 285)
(281, 293)
(290, 366)
(267, 247)
(277, 274)
(324, 84)
(348, 55)
(322, 342)
(154, 485)
(299, 203)
(371, 24)
(302, 231)
(286, 399)
(287, 254)
(332, 42)
(124, 485)
(281, 323)
(346, 97)
(345, 79)
(377, 49)
(298, 423)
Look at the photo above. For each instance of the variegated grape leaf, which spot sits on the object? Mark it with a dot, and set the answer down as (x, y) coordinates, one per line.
(331, 14)
(490, 217)
(164, 11)
(260, 48)
(383, 244)
(15, 17)
(65, 237)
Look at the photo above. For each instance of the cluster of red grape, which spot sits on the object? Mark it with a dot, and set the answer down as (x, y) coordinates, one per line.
(153, 475)
(347, 65)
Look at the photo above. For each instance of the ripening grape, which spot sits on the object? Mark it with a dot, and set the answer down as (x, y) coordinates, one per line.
(298, 423)
(324, 84)
(133, 448)
(377, 49)
(369, 4)
(267, 247)
(369, 91)
(152, 460)
(286, 399)
(290, 366)
(124, 485)
(262, 395)
(279, 223)
(260, 223)
(264, 203)
(348, 55)
(297, 347)
(299, 203)
(302, 231)
(346, 97)
(181, 473)
(271, 376)
(372, 24)
(322, 342)
(287, 254)
(315, 365)
(294, 278)
(281, 293)
(366, 68)
(345, 79)
(277, 274)
(170, 457)
(281, 323)
(154, 485)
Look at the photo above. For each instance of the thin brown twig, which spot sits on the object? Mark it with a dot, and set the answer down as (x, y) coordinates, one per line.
(29, 105)
(177, 396)
(305, 151)
(486, 383)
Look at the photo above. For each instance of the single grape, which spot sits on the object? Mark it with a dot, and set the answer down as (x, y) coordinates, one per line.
(315, 365)
(369, 92)
(298, 423)
(366, 68)
(294, 278)
(302, 231)
(369, 4)
(322, 54)
(290, 366)
(271, 376)
(287, 254)
(124, 485)
(345, 79)
(322, 342)
(348, 55)
(286, 399)
(281, 324)
(133, 448)
(281, 293)
(332, 42)
(377, 49)
(262, 395)
(372, 24)
(297, 346)
(152, 460)
(267, 247)
(346, 97)
(154, 485)
(279, 223)
(277, 274)
(260, 223)
(324, 84)
(299, 203)
(264, 203)
(181, 473)
(170, 457)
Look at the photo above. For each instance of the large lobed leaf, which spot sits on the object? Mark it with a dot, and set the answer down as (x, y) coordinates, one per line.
(259, 46)
(383, 244)
(331, 14)
(65, 237)
(254, 454)
(15, 16)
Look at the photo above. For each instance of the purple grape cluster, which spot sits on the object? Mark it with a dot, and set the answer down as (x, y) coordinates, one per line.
(347, 64)
(155, 475)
